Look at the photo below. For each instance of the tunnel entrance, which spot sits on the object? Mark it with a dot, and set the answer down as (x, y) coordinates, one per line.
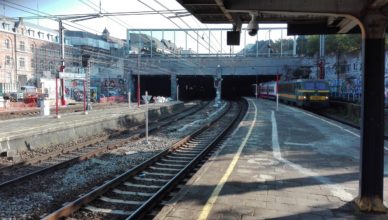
(234, 87)
(156, 85)
(200, 87)
(196, 87)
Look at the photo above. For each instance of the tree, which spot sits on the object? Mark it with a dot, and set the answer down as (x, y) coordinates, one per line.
(341, 43)
(312, 45)
(284, 45)
(301, 43)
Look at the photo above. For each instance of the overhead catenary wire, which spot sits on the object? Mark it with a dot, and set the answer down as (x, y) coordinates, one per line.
(36, 13)
(162, 5)
(33, 12)
(180, 18)
(196, 64)
(72, 25)
(114, 19)
(174, 24)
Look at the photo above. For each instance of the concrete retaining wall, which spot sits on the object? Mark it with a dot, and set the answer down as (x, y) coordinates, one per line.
(353, 110)
(72, 131)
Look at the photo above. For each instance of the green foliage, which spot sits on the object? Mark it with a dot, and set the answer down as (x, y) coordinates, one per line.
(285, 44)
(386, 43)
(343, 43)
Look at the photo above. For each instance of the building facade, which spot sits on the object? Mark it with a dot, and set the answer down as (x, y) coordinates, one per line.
(108, 65)
(30, 55)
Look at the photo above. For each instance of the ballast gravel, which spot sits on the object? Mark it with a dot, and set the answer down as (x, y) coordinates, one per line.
(34, 199)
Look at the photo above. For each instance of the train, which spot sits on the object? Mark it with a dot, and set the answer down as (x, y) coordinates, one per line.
(300, 92)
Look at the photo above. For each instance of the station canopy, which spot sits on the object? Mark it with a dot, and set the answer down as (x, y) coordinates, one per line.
(304, 17)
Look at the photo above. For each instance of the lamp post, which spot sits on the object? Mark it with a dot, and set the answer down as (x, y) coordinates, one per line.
(177, 90)
(86, 65)
(138, 80)
(269, 42)
(217, 85)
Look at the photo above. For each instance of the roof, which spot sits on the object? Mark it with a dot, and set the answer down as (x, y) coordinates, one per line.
(302, 16)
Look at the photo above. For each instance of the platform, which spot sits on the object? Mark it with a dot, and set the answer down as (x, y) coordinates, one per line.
(43, 131)
(285, 164)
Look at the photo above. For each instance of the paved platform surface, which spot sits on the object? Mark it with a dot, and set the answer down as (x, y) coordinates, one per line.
(285, 164)
(21, 125)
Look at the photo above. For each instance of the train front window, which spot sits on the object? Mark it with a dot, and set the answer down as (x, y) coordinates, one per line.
(321, 86)
(309, 85)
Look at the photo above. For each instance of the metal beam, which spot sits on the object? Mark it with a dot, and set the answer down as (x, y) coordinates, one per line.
(350, 7)
(310, 29)
(346, 25)
(221, 5)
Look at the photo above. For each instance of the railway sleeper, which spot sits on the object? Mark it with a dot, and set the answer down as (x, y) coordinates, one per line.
(131, 193)
(107, 211)
(184, 154)
(165, 169)
(148, 174)
(120, 201)
(169, 165)
(188, 150)
(138, 187)
(175, 161)
(177, 156)
(115, 205)
(129, 184)
(153, 180)
(129, 196)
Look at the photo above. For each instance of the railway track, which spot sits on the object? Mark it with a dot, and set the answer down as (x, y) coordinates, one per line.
(20, 172)
(134, 193)
(36, 111)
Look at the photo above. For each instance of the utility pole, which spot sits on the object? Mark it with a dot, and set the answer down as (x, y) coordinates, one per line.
(321, 59)
(62, 38)
(138, 80)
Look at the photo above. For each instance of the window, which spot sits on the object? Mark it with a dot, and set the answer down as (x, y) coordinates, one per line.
(309, 86)
(41, 35)
(6, 26)
(31, 32)
(51, 66)
(50, 37)
(32, 63)
(321, 86)
(6, 43)
(22, 62)
(22, 46)
(7, 60)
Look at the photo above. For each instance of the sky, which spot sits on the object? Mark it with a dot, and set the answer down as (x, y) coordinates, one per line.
(118, 25)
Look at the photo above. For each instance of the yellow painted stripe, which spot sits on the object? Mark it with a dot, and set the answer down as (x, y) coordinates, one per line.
(302, 90)
(287, 96)
(213, 197)
(318, 98)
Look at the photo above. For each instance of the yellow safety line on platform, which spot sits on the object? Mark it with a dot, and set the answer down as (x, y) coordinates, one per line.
(210, 202)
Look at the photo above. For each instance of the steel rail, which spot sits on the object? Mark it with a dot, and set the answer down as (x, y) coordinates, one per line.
(136, 135)
(107, 186)
(158, 196)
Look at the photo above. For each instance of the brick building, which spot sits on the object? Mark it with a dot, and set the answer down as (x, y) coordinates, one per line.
(30, 55)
